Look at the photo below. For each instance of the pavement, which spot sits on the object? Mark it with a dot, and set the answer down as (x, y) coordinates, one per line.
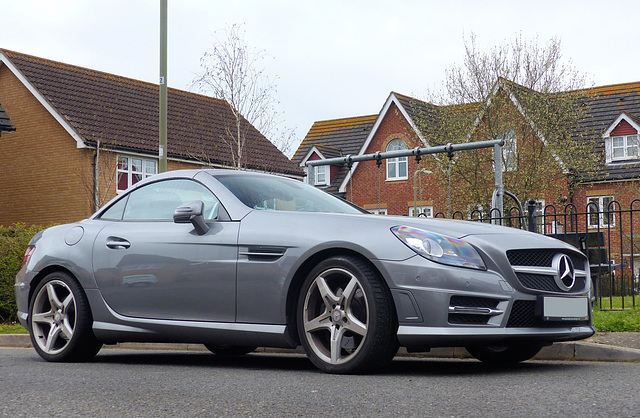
(603, 346)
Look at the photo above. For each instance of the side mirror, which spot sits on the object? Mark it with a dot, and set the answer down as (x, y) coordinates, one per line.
(191, 213)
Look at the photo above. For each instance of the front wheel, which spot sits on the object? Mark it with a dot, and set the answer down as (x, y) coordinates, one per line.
(504, 354)
(60, 320)
(346, 317)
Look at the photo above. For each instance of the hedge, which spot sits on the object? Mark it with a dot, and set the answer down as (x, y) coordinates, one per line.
(13, 244)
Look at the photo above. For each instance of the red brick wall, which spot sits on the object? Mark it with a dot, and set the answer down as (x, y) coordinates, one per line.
(39, 162)
(44, 177)
(370, 184)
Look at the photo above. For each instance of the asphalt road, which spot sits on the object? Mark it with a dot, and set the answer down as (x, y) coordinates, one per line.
(131, 383)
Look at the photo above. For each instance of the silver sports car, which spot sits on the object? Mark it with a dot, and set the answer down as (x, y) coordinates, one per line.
(238, 260)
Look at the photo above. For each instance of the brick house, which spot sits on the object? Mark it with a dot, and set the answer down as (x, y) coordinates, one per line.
(611, 115)
(82, 136)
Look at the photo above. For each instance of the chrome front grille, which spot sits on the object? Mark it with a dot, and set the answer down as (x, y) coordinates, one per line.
(534, 270)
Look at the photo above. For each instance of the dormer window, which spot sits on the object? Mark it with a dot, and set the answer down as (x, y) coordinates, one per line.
(622, 140)
(624, 147)
(322, 175)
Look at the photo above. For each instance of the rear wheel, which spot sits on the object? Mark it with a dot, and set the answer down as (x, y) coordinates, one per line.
(229, 350)
(60, 320)
(346, 317)
(504, 354)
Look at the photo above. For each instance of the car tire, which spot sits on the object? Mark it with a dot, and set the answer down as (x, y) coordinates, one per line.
(504, 354)
(229, 350)
(346, 317)
(60, 320)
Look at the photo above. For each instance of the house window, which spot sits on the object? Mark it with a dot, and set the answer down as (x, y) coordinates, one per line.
(599, 212)
(133, 169)
(397, 167)
(426, 210)
(381, 211)
(624, 147)
(322, 174)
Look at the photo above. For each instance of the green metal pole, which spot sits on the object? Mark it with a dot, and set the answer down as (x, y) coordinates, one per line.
(162, 150)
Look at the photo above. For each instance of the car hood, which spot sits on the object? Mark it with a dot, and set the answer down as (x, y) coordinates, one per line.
(452, 228)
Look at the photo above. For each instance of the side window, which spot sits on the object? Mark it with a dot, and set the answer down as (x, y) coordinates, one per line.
(158, 201)
(115, 212)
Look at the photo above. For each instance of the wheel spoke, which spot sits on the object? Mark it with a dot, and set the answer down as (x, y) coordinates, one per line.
(320, 322)
(43, 318)
(348, 292)
(66, 329)
(53, 297)
(336, 343)
(355, 326)
(54, 332)
(68, 304)
(327, 294)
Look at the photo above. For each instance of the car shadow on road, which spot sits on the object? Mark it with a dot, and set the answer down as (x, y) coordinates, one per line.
(297, 362)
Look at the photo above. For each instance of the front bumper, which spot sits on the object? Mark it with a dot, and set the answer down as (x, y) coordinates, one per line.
(417, 338)
(444, 306)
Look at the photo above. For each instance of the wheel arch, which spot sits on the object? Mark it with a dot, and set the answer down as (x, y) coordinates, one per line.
(303, 271)
(44, 273)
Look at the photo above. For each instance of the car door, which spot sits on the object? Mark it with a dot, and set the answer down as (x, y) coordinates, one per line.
(147, 266)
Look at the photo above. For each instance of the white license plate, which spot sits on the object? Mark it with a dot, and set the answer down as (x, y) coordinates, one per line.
(565, 309)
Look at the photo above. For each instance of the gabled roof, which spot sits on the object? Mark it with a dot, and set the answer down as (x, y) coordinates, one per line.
(5, 122)
(410, 109)
(122, 113)
(335, 138)
(604, 105)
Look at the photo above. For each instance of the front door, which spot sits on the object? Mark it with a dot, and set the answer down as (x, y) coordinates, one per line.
(146, 266)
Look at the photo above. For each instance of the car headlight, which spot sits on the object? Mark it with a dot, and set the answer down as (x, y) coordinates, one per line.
(440, 248)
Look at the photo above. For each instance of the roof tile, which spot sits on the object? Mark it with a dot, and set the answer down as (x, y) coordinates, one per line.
(123, 113)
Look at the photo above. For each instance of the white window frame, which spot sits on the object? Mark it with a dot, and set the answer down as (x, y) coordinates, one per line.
(149, 167)
(397, 163)
(426, 209)
(381, 211)
(605, 219)
(629, 150)
(321, 175)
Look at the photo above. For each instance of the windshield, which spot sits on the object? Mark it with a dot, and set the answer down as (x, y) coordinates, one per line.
(279, 193)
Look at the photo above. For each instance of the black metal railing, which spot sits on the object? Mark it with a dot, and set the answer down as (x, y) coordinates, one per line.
(606, 233)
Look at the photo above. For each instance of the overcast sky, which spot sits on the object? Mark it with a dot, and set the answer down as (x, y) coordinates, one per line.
(333, 58)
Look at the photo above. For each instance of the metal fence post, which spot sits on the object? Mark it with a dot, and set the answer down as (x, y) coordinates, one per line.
(531, 209)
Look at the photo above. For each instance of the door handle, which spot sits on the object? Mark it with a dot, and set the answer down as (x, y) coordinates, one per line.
(118, 244)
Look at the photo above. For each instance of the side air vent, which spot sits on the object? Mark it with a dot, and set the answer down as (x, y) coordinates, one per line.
(260, 253)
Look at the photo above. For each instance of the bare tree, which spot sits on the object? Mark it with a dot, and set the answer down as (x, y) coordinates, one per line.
(99, 178)
(232, 71)
(525, 94)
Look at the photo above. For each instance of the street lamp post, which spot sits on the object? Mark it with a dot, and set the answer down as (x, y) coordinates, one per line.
(415, 191)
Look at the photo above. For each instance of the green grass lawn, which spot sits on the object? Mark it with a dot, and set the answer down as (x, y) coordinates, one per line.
(614, 319)
(12, 329)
